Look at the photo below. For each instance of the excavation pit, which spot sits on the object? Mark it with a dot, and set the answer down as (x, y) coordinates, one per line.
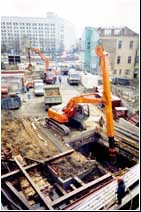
(96, 150)
(67, 172)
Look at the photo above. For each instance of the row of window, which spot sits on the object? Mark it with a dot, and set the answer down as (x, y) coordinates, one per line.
(120, 43)
(17, 42)
(52, 42)
(31, 39)
(9, 35)
(112, 31)
(28, 33)
(31, 28)
(128, 61)
(28, 24)
(122, 72)
(31, 31)
(29, 36)
(41, 47)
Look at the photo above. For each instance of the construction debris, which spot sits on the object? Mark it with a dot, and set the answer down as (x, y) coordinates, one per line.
(25, 143)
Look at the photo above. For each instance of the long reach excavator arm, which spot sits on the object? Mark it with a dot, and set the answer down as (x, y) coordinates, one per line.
(106, 98)
(66, 114)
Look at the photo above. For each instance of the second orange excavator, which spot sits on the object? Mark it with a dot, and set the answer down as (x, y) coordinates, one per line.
(46, 75)
(44, 58)
(75, 112)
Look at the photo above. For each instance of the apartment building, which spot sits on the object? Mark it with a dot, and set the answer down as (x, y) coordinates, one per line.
(49, 34)
(122, 44)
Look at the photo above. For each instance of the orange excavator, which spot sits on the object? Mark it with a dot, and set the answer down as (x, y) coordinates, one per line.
(77, 110)
(41, 55)
(43, 58)
(47, 77)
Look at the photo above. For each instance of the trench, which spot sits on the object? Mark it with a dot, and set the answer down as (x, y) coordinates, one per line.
(71, 178)
(99, 152)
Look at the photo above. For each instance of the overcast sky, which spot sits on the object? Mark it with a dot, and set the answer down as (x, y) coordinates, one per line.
(79, 12)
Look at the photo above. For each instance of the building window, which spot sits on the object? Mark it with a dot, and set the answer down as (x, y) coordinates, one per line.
(118, 59)
(127, 72)
(88, 45)
(117, 32)
(120, 71)
(120, 44)
(129, 59)
(131, 44)
(115, 71)
(107, 31)
(136, 59)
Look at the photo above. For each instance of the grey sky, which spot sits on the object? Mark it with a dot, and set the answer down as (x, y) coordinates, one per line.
(79, 12)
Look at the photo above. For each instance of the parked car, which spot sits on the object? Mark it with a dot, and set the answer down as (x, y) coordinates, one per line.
(120, 81)
(39, 89)
(37, 81)
(64, 71)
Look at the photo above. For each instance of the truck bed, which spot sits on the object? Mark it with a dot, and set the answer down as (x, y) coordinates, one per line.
(52, 96)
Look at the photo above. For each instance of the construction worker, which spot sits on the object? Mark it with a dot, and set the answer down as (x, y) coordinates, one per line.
(101, 121)
(60, 79)
(120, 189)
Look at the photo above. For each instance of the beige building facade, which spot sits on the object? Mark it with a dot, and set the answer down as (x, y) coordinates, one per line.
(122, 44)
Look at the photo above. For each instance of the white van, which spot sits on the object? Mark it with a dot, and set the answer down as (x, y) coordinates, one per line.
(39, 89)
(73, 77)
(37, 81)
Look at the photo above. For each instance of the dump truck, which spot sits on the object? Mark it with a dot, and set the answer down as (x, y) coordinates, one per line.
(52, 96)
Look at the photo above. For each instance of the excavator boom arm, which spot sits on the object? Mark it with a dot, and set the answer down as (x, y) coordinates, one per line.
(90, 98)
(106, 93)
(43, 57)
(86, 98)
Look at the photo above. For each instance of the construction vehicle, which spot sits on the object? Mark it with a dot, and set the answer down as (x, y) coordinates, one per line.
(43, 58)
(50, 78)
(75, 112)
(47, 69)
(52, 96)
(73, 77)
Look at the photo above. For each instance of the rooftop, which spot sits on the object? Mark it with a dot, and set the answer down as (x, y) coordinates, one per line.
(116, 31)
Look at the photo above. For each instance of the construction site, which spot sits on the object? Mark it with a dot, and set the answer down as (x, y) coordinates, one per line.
(64, 149)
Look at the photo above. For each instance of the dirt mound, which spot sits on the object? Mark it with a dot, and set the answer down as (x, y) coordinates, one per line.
(19, 137)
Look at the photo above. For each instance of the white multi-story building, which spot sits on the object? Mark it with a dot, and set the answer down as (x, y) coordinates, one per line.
(49, 34)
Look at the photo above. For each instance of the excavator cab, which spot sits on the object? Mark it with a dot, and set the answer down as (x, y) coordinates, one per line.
(81, 113)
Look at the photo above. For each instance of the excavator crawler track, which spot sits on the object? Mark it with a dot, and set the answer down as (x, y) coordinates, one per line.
(61, 128)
